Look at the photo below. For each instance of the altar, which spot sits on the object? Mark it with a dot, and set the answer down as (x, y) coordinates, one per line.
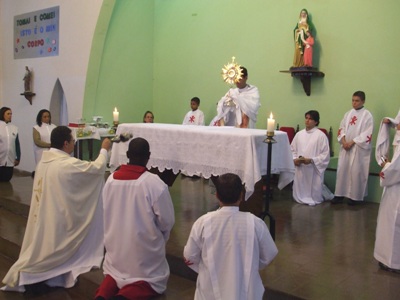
(210, 151)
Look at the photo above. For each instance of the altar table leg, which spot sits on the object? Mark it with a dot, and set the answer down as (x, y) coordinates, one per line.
(167, 175)
(78, 149)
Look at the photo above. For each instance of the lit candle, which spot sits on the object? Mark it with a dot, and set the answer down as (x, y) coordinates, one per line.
(270, 123)
(115, 114)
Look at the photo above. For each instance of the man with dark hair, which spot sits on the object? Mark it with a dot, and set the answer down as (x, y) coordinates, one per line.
(227, 247)
(310, 150)
(63, 236)
(195, 116)
(138, 218)
(10, 150)
(239, 107)
(354, 136)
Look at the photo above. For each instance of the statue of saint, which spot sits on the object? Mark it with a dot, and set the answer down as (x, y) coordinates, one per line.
(303, 26)
(27, 79)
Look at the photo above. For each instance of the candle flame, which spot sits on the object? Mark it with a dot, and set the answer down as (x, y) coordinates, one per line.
(115, 109)
(271, 116)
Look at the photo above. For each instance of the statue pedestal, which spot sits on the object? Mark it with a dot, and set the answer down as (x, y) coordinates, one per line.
(28, 96)
(305, 74)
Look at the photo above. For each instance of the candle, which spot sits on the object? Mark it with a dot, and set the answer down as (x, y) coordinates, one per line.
(270, 123)
(115, 114)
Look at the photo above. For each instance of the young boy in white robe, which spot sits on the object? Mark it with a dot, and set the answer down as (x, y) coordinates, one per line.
(310, 148)
(227, 248)
(195, 116)
(354, 136)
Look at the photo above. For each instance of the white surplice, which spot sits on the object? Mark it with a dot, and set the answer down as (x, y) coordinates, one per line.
(138, 217)
(309, 179)
(64, 233)
(387, 243)
(228, 248)
(353, 164)
(45, 133)
(245, 100)
(194, 118)
(396, 139)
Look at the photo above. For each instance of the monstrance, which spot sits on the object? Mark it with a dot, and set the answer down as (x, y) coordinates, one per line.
(231, 74)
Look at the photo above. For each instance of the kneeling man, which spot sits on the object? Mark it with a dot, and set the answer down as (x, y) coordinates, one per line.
(310, 148)
(63, 237)
(138, 218)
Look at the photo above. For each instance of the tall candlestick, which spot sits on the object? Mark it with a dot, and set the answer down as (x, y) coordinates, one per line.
(271, 123)
(115, 115)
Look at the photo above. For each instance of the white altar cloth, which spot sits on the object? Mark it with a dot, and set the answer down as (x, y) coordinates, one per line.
(210, 150)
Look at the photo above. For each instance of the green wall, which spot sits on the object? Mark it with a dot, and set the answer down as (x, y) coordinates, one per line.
(120, 72)
(158, 54)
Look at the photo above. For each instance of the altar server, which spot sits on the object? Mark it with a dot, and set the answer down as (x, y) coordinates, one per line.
(64, 233)
(310, 150)
(195, 116)
(354, 136)
(138, 218)
(387, 243)
(394, 123)
(227, 248)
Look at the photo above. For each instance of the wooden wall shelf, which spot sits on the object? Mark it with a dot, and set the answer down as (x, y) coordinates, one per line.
(305, 74)
(28, 96)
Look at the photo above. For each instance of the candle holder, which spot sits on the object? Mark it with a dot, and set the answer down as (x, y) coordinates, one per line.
(268, 190)
(115, 124)
(270, 137)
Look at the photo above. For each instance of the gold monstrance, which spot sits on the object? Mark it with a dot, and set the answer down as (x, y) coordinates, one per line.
(231, 73)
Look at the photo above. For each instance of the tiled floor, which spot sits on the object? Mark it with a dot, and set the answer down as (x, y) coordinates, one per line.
(325, 252)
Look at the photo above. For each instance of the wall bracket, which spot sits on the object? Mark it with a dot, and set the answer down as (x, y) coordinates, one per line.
(305, 74)
(28, 96)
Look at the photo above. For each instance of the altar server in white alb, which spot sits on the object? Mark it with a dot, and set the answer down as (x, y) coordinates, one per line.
(138, 218)
(310, 150)
(63, 236)
(383, 141)
(387, 243)
(394, 123)
(195, 116)
(239, 107)
(354, 136)
(227, 248)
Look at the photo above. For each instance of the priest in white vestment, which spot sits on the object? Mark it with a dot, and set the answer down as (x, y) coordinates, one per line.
(227, 248)
(239, 107)
(387, 242)
(138, 218)
(63, 236)
(310, 150)
(354, 136)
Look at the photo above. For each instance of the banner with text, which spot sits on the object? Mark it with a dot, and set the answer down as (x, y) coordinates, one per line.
(36, 34)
